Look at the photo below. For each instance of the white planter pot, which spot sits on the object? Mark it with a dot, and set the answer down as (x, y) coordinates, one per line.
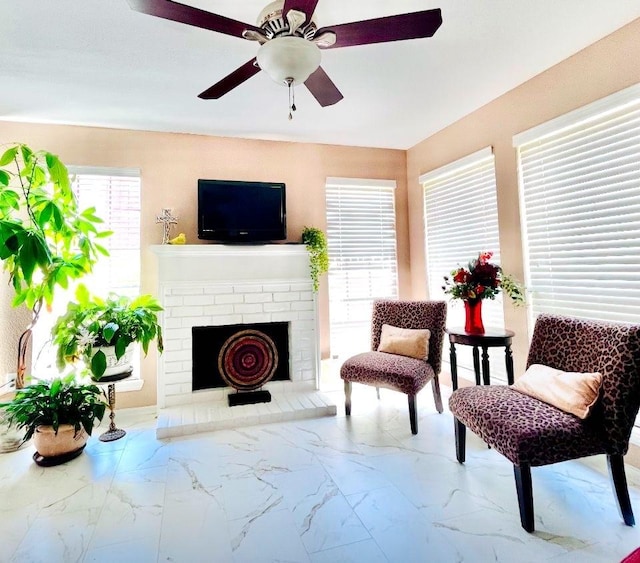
(10, 436)
(115, 366)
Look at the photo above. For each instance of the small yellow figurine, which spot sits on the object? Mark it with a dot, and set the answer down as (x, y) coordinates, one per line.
(180, 239)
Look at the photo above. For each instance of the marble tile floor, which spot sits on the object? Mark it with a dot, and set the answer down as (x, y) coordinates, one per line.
(358, 489)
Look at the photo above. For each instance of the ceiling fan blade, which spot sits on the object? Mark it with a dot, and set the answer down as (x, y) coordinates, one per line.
(322, 88)
(229, 82)
(382, 30)
(306, 6)
(169, 10)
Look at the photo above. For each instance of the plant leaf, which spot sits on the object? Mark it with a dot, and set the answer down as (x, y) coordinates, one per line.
(27, 153)
(9, 198)
(121, 347)
(82, 294)
(13, 243)
(8, 156)
(58, 171)
(102, 250)
(27, 258)
(56, 384)
(45, 214)
(58, 219)
(98, 364)
(109, 330)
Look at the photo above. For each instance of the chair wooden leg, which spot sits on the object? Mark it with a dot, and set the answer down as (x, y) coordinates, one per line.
(347, 397)
(413, 418)
(460, 432)
(619, 479)
(525, 495)
(378, 392)
(437, 397)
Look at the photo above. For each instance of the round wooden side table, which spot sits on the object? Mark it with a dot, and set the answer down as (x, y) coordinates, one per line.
(489, 339)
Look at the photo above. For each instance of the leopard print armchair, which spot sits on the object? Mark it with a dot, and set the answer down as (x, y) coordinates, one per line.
(531, 433)
(392, 371)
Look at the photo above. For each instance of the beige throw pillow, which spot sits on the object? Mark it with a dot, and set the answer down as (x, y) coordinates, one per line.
(572, 392)
(411, 342)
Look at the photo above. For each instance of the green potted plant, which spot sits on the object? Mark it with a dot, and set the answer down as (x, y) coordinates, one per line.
(58, 414)
(45, 239)
(101, 331)
(316, 243)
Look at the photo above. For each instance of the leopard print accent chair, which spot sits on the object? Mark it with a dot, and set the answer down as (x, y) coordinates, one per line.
(532, 433)
(400, 373)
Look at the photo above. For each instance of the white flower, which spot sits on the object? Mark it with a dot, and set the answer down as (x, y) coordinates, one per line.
(85, 338)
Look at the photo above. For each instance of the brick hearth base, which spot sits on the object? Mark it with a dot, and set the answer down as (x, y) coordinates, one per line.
(204, 417)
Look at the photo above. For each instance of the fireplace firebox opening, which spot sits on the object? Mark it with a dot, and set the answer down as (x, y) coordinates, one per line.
(241, 356)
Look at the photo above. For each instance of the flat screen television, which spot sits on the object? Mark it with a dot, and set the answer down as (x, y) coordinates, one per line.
(232, 211)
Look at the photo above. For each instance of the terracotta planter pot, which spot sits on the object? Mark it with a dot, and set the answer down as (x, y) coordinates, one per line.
(50, 444)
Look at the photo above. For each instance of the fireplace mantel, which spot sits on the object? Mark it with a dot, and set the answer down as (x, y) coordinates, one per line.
(232, 262)
(210, 249)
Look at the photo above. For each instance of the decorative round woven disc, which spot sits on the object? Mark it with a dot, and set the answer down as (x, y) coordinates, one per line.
(248, 359)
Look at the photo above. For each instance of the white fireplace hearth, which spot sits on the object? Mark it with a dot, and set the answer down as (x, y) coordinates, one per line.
(217, 285)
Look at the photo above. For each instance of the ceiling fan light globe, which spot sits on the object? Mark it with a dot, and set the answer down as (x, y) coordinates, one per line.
(289, 57)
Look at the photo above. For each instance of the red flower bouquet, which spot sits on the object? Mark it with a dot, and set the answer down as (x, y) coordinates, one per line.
(482, 280)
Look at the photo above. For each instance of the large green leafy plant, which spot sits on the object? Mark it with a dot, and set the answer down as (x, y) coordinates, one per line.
(56, 402)
(45, 239)
(94, 322)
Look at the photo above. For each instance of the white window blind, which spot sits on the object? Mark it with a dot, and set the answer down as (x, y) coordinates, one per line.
(116, 198)
(115, 194)
(580, 188)
(461, 220)
(361, 235)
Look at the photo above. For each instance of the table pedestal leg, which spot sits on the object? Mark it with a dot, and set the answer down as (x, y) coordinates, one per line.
(113, 433)
(476, 364)
(453, 362)
(486, 378)
(508, 359)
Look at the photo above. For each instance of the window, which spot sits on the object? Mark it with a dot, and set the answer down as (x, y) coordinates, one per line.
(361, 236)
(580, 188)
(461, 220)
(115, 194)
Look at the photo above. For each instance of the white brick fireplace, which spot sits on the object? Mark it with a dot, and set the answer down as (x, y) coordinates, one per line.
(215, 285)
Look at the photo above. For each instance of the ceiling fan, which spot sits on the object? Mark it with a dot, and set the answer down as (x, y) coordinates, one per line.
(290, 41)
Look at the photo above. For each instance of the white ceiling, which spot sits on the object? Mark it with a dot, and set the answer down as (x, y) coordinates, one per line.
(97, 62)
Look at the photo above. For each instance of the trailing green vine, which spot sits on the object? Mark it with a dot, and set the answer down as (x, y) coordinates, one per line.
(316, 243)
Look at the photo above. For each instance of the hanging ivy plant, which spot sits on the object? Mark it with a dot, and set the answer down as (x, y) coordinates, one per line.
(316, 243)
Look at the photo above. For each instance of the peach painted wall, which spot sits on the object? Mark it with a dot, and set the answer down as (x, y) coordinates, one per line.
(171, 164)
(601, 69)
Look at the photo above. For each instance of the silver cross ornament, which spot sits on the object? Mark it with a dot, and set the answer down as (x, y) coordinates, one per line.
(167, 219)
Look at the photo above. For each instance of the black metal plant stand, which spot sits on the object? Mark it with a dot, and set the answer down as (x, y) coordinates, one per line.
(113, 433)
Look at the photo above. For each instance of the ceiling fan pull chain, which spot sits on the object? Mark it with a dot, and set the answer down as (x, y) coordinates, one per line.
(292, 98)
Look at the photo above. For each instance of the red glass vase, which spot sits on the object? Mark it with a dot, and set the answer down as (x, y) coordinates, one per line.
(473, 316)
